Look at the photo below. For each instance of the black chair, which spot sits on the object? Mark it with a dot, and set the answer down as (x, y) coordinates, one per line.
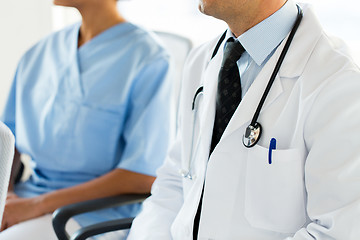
(62, 215)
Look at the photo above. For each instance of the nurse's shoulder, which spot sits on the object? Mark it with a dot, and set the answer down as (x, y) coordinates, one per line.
(145, 43)
(56, 43)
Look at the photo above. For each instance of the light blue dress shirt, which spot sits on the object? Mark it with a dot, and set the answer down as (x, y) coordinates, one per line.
(261, 41)
(80, 113)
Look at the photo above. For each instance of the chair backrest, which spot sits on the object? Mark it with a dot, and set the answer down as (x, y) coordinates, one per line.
(7, 148)
(178, 48)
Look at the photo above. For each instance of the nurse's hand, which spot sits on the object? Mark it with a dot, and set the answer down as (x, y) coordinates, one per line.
(11, 195)
(19, 209)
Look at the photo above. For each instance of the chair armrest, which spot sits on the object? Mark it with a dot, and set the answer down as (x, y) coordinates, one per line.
(63, 214)
(108, 226)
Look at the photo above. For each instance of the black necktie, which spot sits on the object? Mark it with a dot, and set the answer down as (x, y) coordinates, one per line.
(227, 99)
(229, 89)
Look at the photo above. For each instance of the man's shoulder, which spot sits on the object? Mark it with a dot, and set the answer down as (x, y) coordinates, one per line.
(330, 66)
(319, 58)
(333, 54)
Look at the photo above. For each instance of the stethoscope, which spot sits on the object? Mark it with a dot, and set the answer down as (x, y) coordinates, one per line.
(253, 131)
(187, 173)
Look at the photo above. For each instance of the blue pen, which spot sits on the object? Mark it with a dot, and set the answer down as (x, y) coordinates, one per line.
(271, 147)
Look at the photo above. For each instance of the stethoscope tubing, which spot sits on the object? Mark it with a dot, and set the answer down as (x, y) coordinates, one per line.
(277, 66)
(195, 109)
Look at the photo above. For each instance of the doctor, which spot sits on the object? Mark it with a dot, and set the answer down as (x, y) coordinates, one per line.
(299, 180)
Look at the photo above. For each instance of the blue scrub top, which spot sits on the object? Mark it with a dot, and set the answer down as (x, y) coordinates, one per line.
(80, 113)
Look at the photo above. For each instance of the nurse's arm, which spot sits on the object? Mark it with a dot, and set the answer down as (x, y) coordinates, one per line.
(116, 182)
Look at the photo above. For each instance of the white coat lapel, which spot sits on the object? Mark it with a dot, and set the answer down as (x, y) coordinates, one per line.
(210, 79)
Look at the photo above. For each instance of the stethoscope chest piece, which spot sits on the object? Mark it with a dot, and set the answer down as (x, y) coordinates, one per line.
(252, 135)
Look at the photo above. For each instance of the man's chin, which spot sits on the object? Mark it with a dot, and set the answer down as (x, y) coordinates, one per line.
(202, 9)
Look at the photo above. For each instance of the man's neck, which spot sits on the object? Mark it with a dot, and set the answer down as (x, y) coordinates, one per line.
(243, 22)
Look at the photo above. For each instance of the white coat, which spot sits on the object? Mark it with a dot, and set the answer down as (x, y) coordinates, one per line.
(312, 188)
(7, 147)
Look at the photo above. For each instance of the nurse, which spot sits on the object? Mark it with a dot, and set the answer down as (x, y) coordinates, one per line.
(89, 105)
(296, 177)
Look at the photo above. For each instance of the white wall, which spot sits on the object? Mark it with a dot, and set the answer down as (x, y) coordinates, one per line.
(176, 16)
(22, 23)
(341, 19)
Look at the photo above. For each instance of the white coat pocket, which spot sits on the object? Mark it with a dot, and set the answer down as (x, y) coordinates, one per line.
(275, 193)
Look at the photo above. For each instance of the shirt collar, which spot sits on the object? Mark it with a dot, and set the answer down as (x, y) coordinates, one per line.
(262, 39)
